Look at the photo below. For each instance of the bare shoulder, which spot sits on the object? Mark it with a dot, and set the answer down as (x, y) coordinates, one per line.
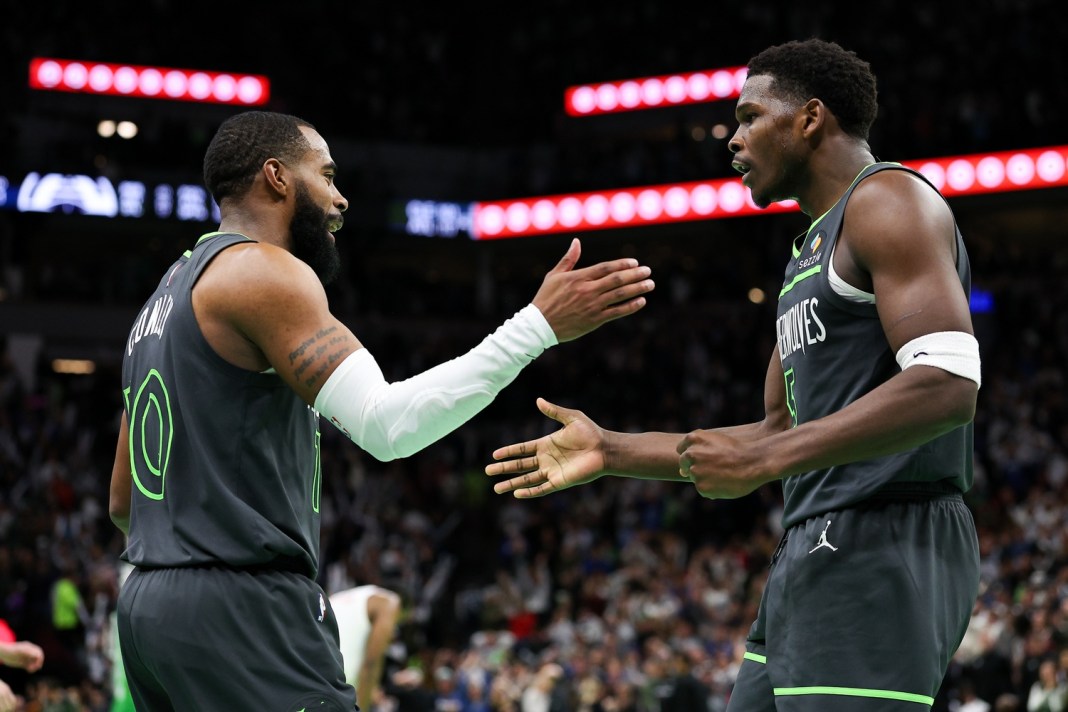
(252, 275)
(897, 196)
(895, 211)
(254, 300)
(383, 602)
(385, 595)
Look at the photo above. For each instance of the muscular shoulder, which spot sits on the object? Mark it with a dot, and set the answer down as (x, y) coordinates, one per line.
(252, 277)
(895, 211)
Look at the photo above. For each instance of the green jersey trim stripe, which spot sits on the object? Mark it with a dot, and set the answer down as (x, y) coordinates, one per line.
(762, 659)
(855, 692)
(205, 236)
(797, 250)
(801, 276)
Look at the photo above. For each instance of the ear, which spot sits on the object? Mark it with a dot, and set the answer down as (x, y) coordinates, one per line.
(813, 117)
(276, 177)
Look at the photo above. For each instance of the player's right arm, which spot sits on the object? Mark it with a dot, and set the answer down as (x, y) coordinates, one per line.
(121, 480)
(260, 307)
(582, 451)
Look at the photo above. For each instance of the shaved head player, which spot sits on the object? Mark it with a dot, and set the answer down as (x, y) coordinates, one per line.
(228, 370)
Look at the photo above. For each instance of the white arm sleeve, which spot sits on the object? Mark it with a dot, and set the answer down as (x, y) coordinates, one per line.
(393, 420)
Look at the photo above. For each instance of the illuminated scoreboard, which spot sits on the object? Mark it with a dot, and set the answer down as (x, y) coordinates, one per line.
(654, 92)
(975, 174)
(75, 194)
(149, 82)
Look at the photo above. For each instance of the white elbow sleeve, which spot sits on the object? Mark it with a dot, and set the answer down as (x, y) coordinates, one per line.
(953, 351)
(392, 420)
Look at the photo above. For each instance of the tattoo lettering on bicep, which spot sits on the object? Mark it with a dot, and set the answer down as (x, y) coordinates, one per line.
(308, 343)
(317, 354)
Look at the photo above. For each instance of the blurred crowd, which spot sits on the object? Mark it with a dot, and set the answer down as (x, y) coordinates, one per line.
(620, 596)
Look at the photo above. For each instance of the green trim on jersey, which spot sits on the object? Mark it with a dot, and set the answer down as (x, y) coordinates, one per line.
(762, 659)
(206, 235)
(797, 250)
(794, 248)
(855, 692)
(800, 277)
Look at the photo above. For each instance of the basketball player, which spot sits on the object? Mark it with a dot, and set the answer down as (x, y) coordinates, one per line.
(227, 371)
(366, 620)
(869, 399)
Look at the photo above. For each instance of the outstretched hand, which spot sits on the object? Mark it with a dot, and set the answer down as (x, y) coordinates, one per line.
(577, 301)
(570, 456)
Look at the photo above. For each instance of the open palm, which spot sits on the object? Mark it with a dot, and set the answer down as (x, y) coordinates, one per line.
(568, 457)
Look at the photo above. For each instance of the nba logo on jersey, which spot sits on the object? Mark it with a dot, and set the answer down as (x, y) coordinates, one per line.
(322, 608)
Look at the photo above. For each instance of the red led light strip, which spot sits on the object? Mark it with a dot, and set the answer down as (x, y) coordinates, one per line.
(149, 82)
(654, 92)
(709, 200)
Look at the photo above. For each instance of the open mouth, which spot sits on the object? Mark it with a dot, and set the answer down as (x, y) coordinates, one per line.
(335, 225)
(744, 169)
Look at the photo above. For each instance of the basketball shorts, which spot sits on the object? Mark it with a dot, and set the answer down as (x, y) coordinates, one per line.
(215, 639)
(863, 609)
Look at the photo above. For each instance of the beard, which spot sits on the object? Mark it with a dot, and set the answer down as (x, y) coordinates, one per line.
(312, 243)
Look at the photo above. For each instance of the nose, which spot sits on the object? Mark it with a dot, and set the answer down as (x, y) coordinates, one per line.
(735, 144)
(340, 202)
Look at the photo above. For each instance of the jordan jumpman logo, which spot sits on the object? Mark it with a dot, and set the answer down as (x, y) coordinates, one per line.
(823, 540)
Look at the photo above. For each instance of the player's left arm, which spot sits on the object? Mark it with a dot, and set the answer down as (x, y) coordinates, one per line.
(121, 479)
(898, 241)
(383, 608)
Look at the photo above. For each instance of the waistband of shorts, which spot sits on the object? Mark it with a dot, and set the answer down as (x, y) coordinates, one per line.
(285, 566)
(914, 492)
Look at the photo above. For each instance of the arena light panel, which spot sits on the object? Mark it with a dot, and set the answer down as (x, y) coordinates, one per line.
(973, 174)
(149, 82)
(654, 92)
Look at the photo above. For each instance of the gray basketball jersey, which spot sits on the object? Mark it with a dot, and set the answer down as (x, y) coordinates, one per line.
(225, 461)
(833, 352)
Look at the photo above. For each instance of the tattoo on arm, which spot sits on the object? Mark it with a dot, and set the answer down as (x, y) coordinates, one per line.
(320, 352)
(308, 343)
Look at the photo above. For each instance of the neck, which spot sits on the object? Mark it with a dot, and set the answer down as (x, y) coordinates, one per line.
(260, 225)
(831, 172)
